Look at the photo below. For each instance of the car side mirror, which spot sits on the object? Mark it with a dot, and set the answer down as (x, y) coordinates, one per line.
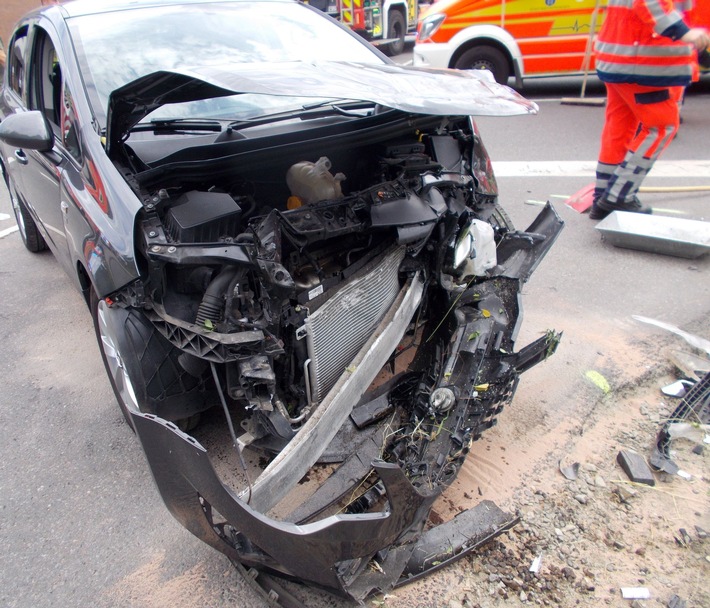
(28, 130)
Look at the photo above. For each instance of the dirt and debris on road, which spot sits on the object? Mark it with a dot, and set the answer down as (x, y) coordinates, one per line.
(594, 535)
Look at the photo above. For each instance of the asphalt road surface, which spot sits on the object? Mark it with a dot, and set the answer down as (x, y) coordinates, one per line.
(81, 523)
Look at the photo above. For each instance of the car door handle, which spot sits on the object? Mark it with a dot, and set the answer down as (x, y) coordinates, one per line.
(65, 207)
(21, 157)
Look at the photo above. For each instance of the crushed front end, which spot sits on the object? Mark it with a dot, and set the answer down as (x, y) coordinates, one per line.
(371, 327)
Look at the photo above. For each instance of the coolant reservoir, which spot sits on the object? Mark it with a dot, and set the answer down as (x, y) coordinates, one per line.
(484, 247)
(312, 182)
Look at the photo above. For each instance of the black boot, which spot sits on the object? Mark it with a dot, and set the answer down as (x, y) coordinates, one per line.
(602, 207)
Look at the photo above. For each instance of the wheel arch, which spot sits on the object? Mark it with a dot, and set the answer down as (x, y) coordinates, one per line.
(488, 35)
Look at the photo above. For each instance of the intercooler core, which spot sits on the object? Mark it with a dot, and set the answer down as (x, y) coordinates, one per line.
(337, 330)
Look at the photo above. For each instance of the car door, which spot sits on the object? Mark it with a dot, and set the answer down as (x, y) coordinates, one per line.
(42, 172)
(13, 100)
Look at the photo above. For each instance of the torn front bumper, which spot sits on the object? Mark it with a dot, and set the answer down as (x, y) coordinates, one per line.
(357, 553)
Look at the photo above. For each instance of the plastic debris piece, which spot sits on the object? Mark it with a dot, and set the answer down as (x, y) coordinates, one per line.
(571, 472)
(598, 380)
(688, 430)
(676, 389)
(684, 475)
(635, 593)
(536, 563)
(693, 340)
(690, 365)
(676, 602)
(635, 467)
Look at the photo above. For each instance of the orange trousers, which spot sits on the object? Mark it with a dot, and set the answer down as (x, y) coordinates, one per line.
(639, 124)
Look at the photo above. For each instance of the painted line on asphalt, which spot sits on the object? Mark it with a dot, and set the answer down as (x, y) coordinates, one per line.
(587, 168)
(7, 231)
(4, 216)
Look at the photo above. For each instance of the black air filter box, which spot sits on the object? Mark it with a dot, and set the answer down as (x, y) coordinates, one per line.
(202, 217)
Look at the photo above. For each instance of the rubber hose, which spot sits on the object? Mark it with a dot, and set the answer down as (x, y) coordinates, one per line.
(213, 301)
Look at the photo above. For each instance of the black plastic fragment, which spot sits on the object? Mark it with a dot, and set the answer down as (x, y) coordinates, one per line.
(635, 467)
(676, 602)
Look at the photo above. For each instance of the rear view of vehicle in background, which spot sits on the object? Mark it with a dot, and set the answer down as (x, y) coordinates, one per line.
(521, 38)
(383, 22)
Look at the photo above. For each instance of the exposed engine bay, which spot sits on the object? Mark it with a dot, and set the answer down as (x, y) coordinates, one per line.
(358, 306)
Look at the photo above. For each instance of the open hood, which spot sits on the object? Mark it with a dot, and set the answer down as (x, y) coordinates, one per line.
(417, 90)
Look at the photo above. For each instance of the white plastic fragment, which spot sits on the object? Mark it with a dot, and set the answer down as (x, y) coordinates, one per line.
(635, 593)
(693, 340)
(536, 563)
(688, 430)
(685, 475)
(676, 389)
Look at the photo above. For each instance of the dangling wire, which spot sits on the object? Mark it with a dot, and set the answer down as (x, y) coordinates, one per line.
(235, 443)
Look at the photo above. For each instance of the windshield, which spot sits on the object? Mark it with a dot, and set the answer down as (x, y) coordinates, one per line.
(118, 47)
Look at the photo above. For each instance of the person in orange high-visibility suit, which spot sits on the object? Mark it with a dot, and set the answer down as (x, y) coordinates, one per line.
(646, 56)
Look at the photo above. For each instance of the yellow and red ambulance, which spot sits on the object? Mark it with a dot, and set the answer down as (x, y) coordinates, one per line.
(520, 38)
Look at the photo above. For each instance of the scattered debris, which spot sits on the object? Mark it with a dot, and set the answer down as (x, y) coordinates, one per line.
(676, 602)
(690, 419)
(635, 467)
(677, 389)
(690, 365)
(571, 472)
(536, 563)
(635, 593)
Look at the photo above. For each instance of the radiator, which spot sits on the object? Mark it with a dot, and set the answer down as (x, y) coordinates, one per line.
(339, 328)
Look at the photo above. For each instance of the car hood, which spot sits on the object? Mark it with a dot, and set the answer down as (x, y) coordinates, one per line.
(416, 90)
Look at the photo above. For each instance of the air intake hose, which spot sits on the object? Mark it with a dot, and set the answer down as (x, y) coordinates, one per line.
(212, 304)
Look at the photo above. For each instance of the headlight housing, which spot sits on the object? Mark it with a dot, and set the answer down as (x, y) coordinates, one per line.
(429, 26)
(473, 251)
(463, 246)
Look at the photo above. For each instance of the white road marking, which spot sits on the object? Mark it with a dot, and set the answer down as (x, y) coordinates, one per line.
(7, 231)
(4, 216)
(587, 168)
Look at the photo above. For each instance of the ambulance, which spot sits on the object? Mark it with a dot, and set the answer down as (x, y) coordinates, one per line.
(518, 38)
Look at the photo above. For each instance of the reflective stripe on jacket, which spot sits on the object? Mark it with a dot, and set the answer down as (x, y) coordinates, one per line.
(639, 43)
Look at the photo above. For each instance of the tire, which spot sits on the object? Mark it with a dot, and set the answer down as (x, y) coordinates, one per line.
(396, 28)
(143, 367)
(500, 220)
(484, 57)
(29, 233)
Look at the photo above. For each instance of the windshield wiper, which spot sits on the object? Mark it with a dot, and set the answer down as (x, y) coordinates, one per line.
(178, 125)
(307, 112)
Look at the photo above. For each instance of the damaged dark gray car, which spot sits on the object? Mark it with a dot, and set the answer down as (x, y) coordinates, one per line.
(313, 247)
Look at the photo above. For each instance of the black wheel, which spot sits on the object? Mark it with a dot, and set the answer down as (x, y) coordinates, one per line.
(143, 367)
(485, 57)
(29, 232)
(397, 28)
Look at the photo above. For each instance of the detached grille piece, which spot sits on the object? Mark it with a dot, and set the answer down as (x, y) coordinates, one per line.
(340, 327)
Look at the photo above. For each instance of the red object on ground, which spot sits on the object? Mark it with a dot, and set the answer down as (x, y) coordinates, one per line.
(581, 200)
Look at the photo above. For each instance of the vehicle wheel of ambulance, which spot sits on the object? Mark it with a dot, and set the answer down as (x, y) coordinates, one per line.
(397, 28)
(485, 57)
